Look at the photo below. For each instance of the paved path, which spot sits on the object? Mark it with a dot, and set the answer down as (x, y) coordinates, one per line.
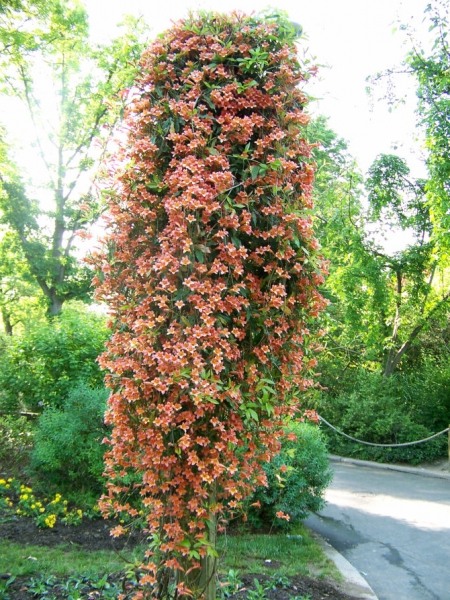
(394, 527)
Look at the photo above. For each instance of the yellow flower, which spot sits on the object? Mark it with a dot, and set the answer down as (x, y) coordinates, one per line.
(2, 481)
(50, 521)
(41, 510)
(24, 497)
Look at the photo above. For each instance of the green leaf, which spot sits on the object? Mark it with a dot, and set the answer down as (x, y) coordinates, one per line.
(254, 171)
(199, 255)
(251, 413)
(236, 241)
(212, 400)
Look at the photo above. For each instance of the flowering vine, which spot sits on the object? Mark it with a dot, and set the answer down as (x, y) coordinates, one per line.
(211, 275)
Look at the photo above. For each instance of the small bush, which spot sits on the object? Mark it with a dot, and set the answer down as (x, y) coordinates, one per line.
(297, 478)
(68, 451)
(41, 365)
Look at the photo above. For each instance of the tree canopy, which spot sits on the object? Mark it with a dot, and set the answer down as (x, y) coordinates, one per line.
(71, 93)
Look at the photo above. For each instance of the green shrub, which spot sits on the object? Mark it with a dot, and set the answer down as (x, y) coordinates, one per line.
(426, 393)
(296, 477)
(384, 410)
(68, 451)
(41, 365)
(16, 441)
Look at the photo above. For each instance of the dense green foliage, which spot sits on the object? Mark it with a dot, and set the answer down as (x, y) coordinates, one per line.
(431, 68)
(68, 450)
(296, 480)
(40, 366)
(398, 409)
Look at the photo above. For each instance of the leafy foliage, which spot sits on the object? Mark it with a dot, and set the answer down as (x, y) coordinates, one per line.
(68, 452)
(18, 294)
(211, 275)
(432, 69)
(387, 313)
(41, 365)
(381, 303)
(16, 442)
(296, 479)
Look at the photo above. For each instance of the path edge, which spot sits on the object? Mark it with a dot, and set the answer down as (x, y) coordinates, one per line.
(353, 582)
(390, 467)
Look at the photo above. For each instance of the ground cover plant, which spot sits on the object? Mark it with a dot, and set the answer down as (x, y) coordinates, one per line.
(20, 500)
(211, 274)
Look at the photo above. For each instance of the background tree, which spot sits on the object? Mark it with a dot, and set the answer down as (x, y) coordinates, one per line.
(71, 92)
(351, 334)
(419, 286)
(211, 275)
(18, 292)
(432, 71)
(380, 302)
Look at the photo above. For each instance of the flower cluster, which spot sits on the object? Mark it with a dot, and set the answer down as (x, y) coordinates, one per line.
(211, 276)
(21, 499)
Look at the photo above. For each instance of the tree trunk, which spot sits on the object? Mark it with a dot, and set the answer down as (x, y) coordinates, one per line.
(7, 325)
(202, 581)
(55, 304)
(395, 356)
(209, 563)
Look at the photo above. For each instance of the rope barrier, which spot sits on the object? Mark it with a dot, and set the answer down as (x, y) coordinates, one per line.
(382, 445)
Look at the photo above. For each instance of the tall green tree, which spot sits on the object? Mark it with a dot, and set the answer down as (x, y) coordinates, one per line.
(16, 282)
(418, 281)
(73, 93)
(355, 286)
(380, 302)
(431, 68)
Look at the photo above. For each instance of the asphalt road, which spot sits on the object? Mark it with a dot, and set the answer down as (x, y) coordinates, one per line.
(394, 527)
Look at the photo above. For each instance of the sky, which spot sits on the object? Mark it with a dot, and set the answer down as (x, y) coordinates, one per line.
(351, 40)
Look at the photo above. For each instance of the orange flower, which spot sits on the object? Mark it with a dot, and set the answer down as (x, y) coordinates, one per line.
(210, 275)
(281, 515)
